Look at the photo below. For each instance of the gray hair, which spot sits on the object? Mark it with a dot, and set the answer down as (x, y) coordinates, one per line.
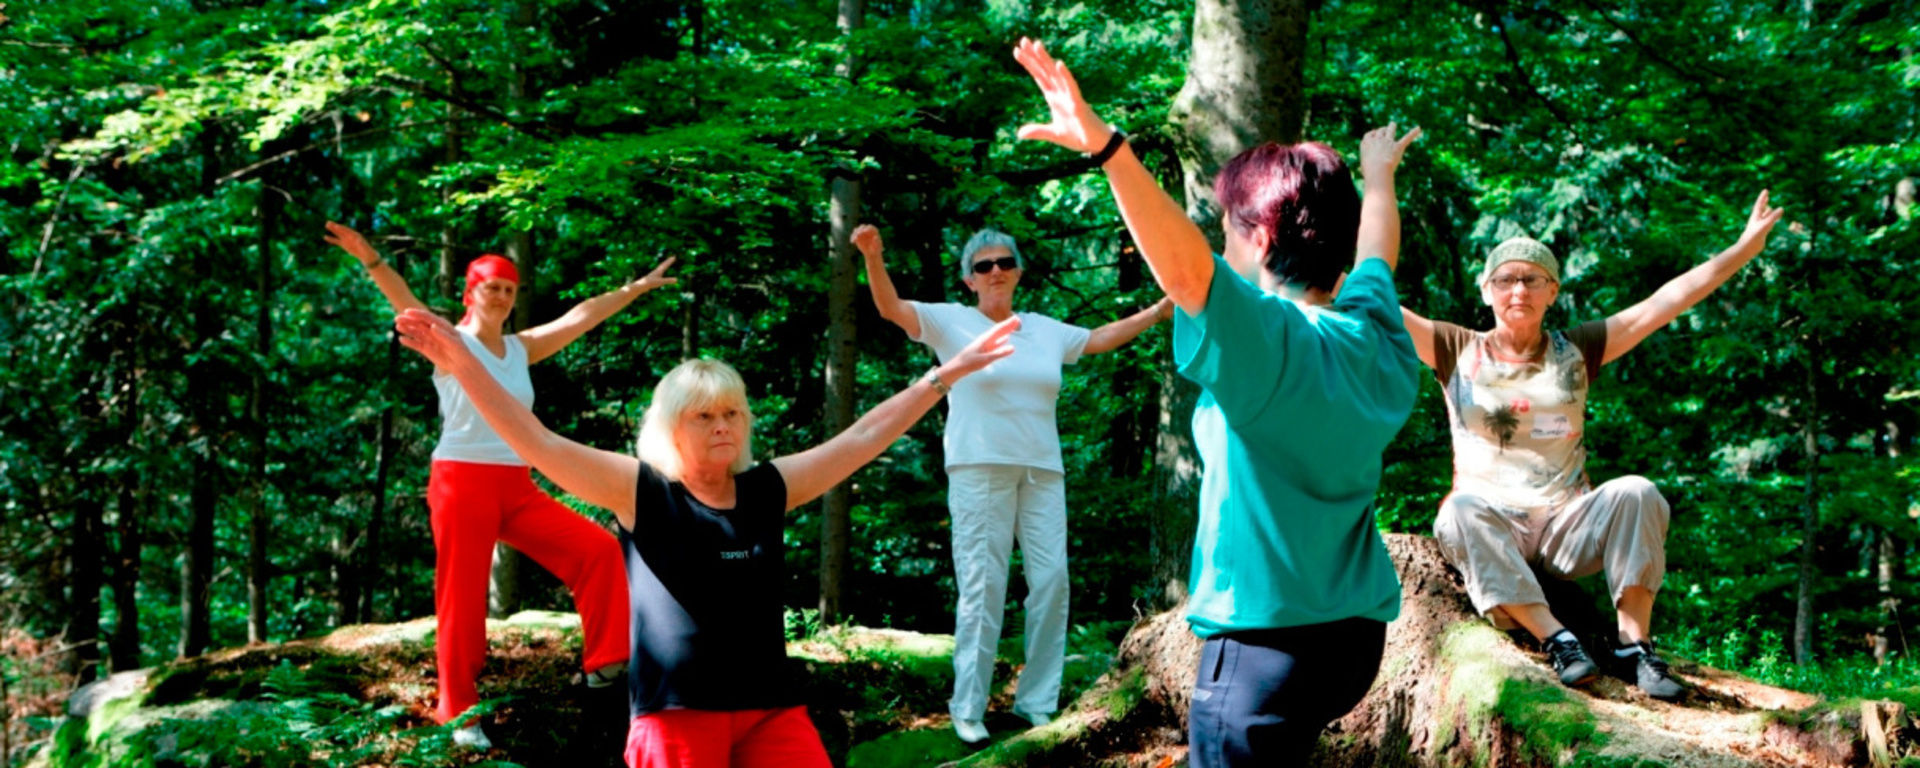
(988, 238)
(697, 383)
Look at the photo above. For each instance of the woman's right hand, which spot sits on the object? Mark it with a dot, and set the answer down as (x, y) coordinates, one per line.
(866, 237)
(434, 338)
(1072, 123)
(352, 242)
(1380, 152)
(983, 351)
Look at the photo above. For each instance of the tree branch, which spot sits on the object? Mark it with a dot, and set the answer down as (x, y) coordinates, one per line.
(335, 141)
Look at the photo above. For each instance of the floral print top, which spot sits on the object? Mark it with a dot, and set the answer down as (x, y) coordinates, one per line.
(1518, 426)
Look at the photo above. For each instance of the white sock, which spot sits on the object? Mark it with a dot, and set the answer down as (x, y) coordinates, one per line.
(1562, 636)
(1627, 651)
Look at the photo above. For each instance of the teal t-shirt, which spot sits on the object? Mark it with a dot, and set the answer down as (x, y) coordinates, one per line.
(1297, 406)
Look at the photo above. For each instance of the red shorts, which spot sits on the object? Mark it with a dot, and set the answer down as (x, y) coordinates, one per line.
(746, 738)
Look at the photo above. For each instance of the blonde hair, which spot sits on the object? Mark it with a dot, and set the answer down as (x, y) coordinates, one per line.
(691, 385)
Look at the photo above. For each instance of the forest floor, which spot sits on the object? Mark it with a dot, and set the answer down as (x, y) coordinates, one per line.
(1451, 691)
(364, 695)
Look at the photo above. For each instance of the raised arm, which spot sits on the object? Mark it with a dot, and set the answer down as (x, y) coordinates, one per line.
(1379, 235)
(811, 472)
(1118, 332)
(547, 339)
(391, 284)
(601, 478)
(885, 298)
(1626, 329)
(1175, 249)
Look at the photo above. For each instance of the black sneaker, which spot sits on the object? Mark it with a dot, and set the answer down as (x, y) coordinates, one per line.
(1651, 674)
(1571, 661)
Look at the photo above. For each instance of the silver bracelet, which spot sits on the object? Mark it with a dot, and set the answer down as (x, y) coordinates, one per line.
(933, 378)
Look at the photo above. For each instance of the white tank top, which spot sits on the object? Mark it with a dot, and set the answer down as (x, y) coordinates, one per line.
(464, 435)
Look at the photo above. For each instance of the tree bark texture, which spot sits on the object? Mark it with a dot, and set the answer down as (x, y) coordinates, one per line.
(836, 524)
(204, 400)
(259, 571)
(1803, 615)
(1245, 85)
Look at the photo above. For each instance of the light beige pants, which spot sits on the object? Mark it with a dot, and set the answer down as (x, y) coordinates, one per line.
(1620, 526)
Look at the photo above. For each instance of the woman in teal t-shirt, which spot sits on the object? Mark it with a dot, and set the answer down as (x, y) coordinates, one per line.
(1307, 374)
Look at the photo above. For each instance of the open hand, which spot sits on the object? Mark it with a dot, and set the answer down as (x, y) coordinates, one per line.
(1072, 123)
(984, 349)
(1760, 222)
(1380, 152)
(433, 337)
(352, 242)
(657, 277)
(866, 237)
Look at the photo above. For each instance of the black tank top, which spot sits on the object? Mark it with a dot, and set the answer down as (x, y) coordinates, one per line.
(704, 587)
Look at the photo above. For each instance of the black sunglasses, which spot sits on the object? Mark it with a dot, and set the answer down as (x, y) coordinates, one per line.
(1005, 263)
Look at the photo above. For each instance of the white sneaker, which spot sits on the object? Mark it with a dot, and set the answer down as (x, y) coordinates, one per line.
(607, 675)
(970, 731)
(1037, 718)
(472, 737)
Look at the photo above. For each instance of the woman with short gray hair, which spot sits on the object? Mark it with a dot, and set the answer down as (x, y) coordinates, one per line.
(1516, 401)
(1005, 479)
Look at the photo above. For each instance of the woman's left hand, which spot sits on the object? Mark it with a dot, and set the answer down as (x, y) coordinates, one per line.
(433, 337)
(657, 278)
(1072, 122)
(983, 350)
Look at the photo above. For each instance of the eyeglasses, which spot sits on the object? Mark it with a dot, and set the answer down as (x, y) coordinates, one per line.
(1005, 263)
(1532, 282)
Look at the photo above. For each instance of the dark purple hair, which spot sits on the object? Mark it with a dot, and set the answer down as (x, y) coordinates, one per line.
(1301, 194)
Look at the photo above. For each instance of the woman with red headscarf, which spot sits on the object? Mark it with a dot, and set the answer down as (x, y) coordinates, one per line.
(481, 492)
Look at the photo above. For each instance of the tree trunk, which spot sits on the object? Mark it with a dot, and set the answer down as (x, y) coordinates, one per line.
(1245, 85)
(510, 568)
(843, 215)
(125, 647)
(368, 552)
(259, 571)
(1803, 615)
(1885, 563)
(84, 559)
(204, 401)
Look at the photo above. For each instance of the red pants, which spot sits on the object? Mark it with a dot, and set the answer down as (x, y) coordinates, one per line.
(475, 505)
(747, 738)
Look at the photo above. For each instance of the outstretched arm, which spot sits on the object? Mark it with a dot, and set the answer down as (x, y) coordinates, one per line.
(601, 478)
(1626, 329)
(547, 339)
(1380, 154)
(885, 298)
(811, 472)
(1175, 249)
(1118, 332)
(391, 284)
(1421, 329)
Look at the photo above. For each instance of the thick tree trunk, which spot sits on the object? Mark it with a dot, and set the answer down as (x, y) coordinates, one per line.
(1803, 615)
(1245, 85)
(508, 584)
(1450, 691)
(843, 215)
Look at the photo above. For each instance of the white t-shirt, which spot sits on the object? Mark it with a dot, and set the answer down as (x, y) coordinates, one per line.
(1004, 413)
(464, 435)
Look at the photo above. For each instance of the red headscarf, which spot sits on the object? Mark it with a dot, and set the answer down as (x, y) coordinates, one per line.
(490, 266)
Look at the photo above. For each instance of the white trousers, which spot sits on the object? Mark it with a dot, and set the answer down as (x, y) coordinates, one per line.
(992, 506)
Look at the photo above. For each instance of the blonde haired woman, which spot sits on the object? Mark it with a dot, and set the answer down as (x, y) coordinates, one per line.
(700, 530)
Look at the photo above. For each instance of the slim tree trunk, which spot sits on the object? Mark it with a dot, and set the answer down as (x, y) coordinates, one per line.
(84, 584)
(1803, 615)
(1245, 85)
(369, 553)
(1885, 563)
(204, 401)
(259, 571)
(125, 647)
(843, 215)
(510, 568)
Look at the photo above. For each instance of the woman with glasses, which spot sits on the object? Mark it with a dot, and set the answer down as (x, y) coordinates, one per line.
(1516, 400)
(1005, 479)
